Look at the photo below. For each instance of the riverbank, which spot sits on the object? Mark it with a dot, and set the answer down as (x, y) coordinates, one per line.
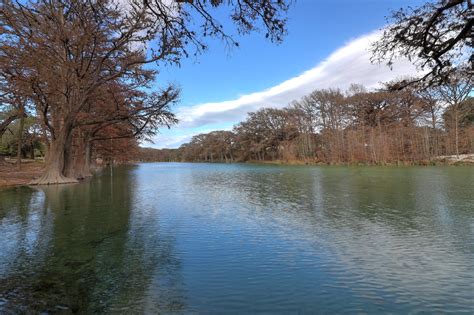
(462, 159)
(10, 175)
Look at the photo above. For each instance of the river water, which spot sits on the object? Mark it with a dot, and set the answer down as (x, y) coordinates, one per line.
(216, 238)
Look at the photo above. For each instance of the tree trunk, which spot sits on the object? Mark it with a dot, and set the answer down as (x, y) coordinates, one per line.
(55, 161)
(88, 155)
(78, 160)
(32, 152)
(456, 130)
(20, 142)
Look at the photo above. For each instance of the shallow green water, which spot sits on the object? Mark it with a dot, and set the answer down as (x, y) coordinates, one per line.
(242, 238)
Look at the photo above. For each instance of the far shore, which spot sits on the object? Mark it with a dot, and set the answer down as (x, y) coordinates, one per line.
(463, 159)
(11, 175)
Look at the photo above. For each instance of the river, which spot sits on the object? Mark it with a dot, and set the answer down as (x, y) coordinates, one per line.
(222, 238)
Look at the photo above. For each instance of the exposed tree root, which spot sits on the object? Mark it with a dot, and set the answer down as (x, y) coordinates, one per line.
(52, 179)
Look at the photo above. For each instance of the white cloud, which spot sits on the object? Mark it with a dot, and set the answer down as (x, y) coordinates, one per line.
(347, 65)
(168, 141)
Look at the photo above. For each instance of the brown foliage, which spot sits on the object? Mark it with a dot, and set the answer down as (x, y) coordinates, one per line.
(80, 67)
(329, 126)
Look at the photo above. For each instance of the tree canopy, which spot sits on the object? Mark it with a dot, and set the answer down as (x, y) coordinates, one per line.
(80, 67)
(436, 36)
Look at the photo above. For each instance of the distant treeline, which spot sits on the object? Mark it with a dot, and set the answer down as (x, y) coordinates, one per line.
(343, 127)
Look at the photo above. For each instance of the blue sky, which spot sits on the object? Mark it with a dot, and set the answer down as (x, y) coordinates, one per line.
(326, 46)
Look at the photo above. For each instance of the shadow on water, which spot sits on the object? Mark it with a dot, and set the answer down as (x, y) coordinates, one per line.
(75, 248)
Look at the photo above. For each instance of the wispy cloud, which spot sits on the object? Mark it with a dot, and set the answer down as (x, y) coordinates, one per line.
(349, 64)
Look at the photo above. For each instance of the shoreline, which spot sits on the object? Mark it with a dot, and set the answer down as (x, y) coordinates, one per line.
(464, 160)
(452, 160)
(11, 176)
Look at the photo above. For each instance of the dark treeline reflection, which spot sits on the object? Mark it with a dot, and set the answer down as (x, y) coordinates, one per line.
(74, 248)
